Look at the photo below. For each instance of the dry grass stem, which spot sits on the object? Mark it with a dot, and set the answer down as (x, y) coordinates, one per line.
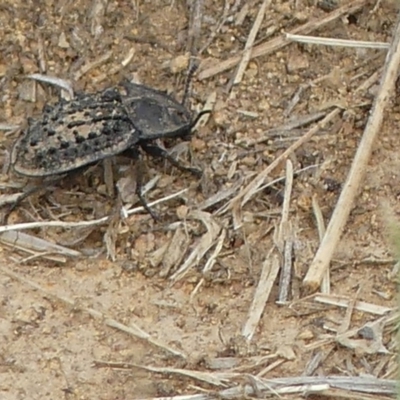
(317, 360)
(259, 387)
(207, 241)
(80, 224)
(369, 82)
(111, 235)
(269, 273)
(210, 262)
(282, 178)
(35, 245)
(52, 80)
(8, 127)
(284, 239)
(271, 367)
(173, 252)
(345, 324)
(41, 54)
(118, 68)
(286, 272)
(319, 219)
(92, 64)
(220, 195)
(109, 177)
(283, 231)
(336, 42)
(214, 379)
(344, 302)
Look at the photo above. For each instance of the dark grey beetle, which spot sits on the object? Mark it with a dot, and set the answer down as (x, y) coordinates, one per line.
(91, 127)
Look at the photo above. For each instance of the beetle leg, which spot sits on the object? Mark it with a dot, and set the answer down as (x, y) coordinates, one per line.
(135, 154)
(157, 151)
(29, 192)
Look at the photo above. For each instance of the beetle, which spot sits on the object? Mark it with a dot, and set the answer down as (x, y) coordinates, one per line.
(92, 127)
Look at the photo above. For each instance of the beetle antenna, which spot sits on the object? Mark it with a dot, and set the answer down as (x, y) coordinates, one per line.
(188, 83)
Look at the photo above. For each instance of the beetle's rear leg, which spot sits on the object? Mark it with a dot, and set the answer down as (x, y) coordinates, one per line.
(135, 154)
(157, 151)
(29, 192)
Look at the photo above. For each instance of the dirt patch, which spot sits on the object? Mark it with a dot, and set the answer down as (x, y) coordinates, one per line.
(62, 339)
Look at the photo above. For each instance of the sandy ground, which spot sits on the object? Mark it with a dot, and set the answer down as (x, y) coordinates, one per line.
(53, 350)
